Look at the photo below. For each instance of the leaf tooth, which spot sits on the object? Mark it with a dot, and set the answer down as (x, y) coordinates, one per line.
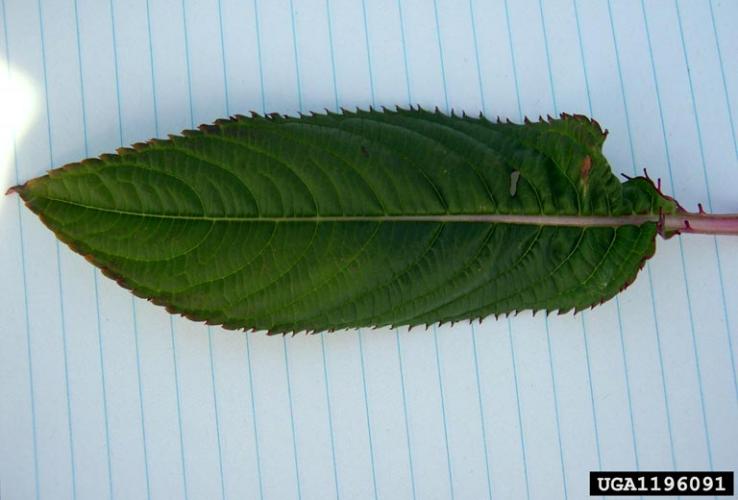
(124, 151)
(188, 133)
(107, 157)
(205, 128)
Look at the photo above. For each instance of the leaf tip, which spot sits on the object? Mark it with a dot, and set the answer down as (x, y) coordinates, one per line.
(15, 189)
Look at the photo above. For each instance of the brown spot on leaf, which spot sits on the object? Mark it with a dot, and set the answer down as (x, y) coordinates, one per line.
(585, 168)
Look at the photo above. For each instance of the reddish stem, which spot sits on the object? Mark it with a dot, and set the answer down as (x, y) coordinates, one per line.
(702, 223)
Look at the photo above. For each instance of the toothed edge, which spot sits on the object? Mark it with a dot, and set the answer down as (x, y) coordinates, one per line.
(277, 117)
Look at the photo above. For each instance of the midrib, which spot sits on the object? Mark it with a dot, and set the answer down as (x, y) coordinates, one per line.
(538, 220)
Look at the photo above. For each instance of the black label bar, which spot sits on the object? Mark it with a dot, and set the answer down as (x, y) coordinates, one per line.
(651, 483)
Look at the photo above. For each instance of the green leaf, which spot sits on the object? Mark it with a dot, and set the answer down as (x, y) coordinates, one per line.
(358, 219)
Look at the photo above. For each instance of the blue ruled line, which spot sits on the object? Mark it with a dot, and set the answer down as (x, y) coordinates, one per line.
(591, 395)
(94, 270)
(661, 370)
(141, 403)
(735, 147)
(223, 58)
(487, 468)
(509, 325)
(617, 299)
(21, 240)
(179, 409)
(296, 60)
(366, 410)
(296, 57)
(133, 299)
(435, 329)
(329, 406)
(210, 341)
(512, 57)
(707, 187)
(411, 467)
(258, 56)
(405, 414)
(368, 52)
(62, 318)
(215, 409)
(187, 62)
(404, 52)
(648, 265)
(443, 411)
(517, 406)
(257, 29)
(292, 416)
(330, 413)
(476, 57)
(440, 54)
(681, 245)
(724, 82)
(253, 415)
(545, 319)
(329, 17)
(151, 67)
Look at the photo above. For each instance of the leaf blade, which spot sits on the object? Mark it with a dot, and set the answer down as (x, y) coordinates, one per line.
(357, 219)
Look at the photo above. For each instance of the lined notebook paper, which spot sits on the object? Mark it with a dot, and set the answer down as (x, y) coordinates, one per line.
(105, 396)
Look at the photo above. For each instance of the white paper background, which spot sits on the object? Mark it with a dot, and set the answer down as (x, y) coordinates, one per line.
(103, 396)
